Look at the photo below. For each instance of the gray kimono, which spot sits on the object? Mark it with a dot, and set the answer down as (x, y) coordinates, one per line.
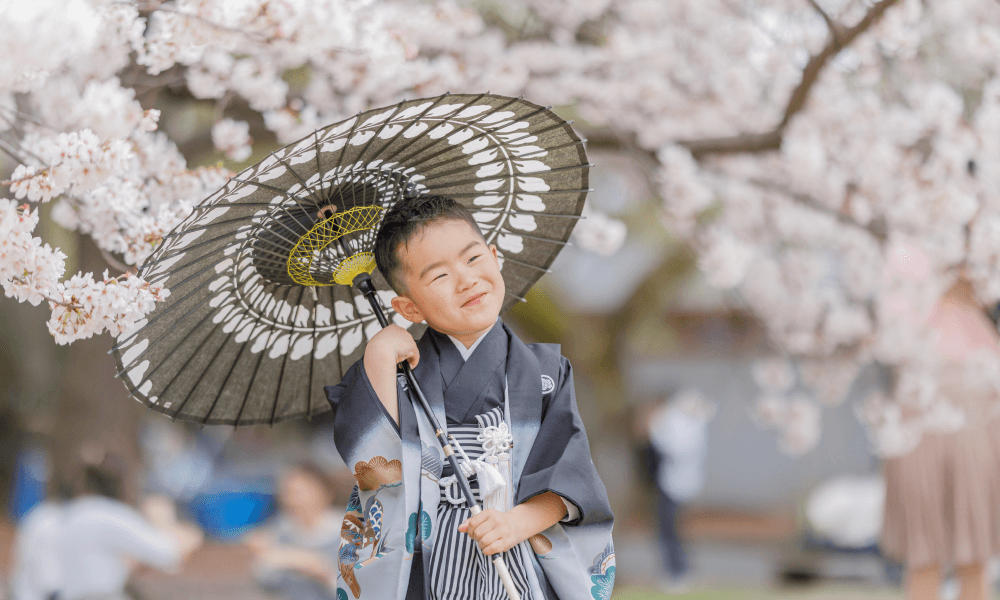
(391, 515)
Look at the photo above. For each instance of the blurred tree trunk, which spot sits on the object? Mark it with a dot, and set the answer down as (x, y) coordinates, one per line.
(95, 421)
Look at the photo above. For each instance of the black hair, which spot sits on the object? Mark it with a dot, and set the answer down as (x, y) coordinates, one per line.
(404, 220)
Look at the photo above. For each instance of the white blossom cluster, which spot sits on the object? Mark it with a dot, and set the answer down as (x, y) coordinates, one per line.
(78, 77)
(31, 271)
(880, 196)
(837, 181)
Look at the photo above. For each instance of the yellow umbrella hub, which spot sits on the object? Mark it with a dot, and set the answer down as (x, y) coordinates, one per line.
(312, 244)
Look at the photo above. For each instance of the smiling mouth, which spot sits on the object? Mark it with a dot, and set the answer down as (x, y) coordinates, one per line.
(474, 300)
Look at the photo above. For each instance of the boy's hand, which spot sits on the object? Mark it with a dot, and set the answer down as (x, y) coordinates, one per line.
(393, 345)
(495, 531)
(384, 351)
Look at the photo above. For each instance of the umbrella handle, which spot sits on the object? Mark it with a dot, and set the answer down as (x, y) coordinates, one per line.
(364, 283)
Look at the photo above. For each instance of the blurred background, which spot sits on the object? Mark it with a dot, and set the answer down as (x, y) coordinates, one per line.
(740, 306)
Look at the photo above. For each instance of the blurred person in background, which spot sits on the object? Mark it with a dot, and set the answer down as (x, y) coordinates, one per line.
(942, 506)
(295, 554)
(86, 543)
(676, 430)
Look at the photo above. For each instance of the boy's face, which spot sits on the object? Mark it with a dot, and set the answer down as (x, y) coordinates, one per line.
(452, 280)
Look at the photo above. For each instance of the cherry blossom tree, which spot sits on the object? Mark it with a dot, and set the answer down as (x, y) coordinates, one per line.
(833, 165)
(831, 162)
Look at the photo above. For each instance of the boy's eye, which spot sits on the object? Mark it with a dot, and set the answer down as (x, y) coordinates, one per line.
(439, 276)
(474, 257)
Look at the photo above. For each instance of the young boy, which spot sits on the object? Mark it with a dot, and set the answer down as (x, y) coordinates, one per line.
(511, 412)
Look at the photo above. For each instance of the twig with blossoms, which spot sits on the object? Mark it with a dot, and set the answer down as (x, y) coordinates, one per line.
(771, 139)
(81, 306)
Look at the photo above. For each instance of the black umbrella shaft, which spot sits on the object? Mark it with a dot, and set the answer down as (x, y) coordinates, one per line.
(364, 283)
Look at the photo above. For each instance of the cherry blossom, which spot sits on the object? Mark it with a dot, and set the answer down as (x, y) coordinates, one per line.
(830, 162)
(232, 138)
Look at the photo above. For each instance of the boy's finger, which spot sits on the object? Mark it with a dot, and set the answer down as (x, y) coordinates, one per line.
(413, 354)
(478, 529)
(488, 538)
(477, 519)
(495, 548)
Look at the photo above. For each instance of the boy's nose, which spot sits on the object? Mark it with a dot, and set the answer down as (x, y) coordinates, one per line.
(466, 279)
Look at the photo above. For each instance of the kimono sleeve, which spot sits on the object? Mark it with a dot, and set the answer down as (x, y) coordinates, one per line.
(560, 460)
(357, 413)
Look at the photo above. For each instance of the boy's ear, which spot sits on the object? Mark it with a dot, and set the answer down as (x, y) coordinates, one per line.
(408, 308)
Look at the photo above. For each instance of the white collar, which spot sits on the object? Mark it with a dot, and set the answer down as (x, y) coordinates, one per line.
(467, 352)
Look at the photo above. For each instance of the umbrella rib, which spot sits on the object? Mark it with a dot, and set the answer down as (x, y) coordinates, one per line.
(256, 368)
(550, 149)
(195, 260)
(280, 207)
(361, 155)
(527, 212)
(539, 174)
(208, 226)
(530, 155)
(297, 200)
(421, 116)
(173, 414)
(166, 311)
(192, 246)
(305, 186)
(485, 132)
(211, 362)
(558, 124)
(282, 261)
(319, 167)
(162, 334)
(284, 361)
(347, 144)
(515, 296)
(229, 234)
(537, 238)
(526, 264)
(231, 205)
(156, 368)
(470, 194)
(336, 325)
(272, 188)
(191, 356)
(467, 125)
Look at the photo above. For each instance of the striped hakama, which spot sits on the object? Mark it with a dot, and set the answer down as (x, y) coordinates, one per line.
(458, 570)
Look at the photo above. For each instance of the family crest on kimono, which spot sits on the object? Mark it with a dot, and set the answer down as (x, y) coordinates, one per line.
(510, 412)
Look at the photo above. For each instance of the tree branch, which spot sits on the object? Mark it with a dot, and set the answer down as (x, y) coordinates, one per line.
(70, 305)
(115, 263)
(810, 203)
(835, 28)
(771, 140)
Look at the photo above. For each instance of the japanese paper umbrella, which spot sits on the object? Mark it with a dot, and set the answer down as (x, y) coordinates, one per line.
(261, 312)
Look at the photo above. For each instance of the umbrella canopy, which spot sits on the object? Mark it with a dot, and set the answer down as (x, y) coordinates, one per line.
(261, 314)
